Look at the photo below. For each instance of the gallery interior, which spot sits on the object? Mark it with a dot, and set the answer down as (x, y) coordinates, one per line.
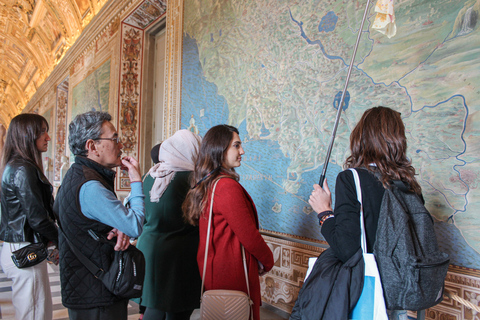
(275, 70)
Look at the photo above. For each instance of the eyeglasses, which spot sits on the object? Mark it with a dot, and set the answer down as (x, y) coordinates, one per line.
(116, 139)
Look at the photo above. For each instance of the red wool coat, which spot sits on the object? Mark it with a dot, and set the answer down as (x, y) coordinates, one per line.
(235, 222)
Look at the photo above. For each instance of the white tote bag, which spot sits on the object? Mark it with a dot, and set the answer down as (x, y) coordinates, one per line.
(371, 304)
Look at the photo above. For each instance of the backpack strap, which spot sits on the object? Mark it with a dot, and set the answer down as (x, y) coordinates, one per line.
(402, 186)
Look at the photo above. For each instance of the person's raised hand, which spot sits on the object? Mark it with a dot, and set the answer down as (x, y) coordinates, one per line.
(321, 199)
(131, 165)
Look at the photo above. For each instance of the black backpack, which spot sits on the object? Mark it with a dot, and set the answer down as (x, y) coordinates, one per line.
(411, 266)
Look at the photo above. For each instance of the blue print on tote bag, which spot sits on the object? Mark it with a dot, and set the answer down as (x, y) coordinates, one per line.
(365, 305)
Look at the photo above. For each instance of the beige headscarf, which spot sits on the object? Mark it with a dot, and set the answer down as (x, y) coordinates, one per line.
(177, 153)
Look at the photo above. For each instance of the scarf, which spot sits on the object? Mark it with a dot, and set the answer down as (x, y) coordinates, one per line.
(177, 153)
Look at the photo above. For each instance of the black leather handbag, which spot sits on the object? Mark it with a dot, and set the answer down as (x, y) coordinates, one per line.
(30, 255)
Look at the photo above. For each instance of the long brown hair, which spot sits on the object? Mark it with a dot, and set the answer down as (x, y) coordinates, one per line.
(208, 168)
(379, 138)
(20, 142)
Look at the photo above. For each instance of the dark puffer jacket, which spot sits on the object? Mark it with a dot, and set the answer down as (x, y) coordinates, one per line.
(80, 288)
(27, 204)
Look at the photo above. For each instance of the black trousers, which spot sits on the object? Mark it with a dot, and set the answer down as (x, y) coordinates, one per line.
(117, 311)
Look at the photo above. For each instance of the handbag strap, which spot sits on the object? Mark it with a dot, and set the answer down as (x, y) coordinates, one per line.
(363, 237)
(96, 271)
(206, 247)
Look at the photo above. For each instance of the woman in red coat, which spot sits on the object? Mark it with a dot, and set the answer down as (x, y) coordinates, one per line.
(235, 220)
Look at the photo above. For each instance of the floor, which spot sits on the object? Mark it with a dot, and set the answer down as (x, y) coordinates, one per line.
(60, 313)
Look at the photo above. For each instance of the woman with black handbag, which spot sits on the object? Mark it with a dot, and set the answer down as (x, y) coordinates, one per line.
(27, 220)
(234, 221)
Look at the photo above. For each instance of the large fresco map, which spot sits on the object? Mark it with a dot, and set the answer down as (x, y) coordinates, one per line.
(275, 68)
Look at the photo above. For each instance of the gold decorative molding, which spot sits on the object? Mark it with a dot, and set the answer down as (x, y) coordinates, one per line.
(291, 237)
(173, 68)
(36, 36)
(107, 20)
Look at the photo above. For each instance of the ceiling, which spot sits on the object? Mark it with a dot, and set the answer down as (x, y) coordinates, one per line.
(34, 37)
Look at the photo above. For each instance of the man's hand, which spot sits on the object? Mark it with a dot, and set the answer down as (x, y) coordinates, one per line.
(123, 241)
(133, 168)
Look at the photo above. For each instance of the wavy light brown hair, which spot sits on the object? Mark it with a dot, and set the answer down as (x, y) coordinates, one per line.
(379, 138)
(208, 169)
(20, 142)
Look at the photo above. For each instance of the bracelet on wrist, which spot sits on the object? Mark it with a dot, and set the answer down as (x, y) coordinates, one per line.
(325, 218)
(324, 213)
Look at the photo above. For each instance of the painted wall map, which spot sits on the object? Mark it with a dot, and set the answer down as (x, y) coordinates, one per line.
(274, 68)
(92, 93)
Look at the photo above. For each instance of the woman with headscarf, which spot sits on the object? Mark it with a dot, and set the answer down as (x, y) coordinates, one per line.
(172, 280)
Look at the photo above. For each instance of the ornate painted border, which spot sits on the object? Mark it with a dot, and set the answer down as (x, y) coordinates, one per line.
(129, 98)
(293, 237)
(61, 132)
(130, 82)
(281, 285)
(146, 13)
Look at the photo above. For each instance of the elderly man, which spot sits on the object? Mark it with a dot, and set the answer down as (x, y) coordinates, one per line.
(86, 200)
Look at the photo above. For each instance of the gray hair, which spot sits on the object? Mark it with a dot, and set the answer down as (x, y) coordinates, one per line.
(85, 126)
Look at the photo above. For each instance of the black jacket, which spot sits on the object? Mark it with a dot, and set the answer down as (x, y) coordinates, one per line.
(343, 231)
(27, 204)
(332, 289)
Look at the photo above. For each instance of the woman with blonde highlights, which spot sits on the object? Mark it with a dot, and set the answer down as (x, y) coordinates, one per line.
(234, 222)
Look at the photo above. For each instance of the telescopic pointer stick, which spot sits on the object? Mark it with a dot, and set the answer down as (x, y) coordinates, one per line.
(340, 105)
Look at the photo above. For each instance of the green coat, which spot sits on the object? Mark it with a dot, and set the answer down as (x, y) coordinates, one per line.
(172, 280)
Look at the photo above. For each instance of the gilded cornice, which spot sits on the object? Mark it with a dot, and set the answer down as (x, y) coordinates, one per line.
(108, 17)
(173, 68)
